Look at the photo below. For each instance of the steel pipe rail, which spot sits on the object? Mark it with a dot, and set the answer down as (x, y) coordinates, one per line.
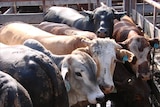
(154, 3)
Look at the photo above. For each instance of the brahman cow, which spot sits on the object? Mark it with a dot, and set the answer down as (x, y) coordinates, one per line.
(17, 32)
(63, 29)
(105, 52)
(131, 91)
(99, 21)
(38, 74)
(132, 38)
(13, 94)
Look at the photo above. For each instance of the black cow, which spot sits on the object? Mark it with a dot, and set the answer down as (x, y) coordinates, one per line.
(37, 73)
(13, 94)
(131, 91)
(99, 21)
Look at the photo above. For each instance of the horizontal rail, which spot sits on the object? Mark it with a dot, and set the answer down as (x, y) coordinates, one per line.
(32, 18)
(154, 3)
(17, 0)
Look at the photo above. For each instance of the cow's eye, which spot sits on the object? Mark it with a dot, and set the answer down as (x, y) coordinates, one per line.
(78, 74)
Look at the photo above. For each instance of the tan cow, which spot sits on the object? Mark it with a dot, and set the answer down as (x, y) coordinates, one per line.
(17, 32)
(63, 29)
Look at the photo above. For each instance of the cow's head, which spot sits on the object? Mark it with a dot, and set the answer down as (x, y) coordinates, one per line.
(134, 92)
(105, 52)
(79, 73)
(141, 47)
(103, 18)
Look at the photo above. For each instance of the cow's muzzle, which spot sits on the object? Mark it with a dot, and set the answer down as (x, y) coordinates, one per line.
(102, 33)
(107, 89)
(144, 76)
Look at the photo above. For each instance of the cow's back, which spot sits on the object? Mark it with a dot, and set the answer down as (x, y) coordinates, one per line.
(13, 93)
(62, 15)
(64, 29)
(17, 32)
(37, 73)
(122, 30)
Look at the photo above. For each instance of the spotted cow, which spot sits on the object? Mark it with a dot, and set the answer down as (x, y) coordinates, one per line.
(132, 39)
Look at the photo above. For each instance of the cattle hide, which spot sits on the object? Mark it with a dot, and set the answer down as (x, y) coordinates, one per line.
(12, 93)
(63, 29)
(132, 38)
(37, 73)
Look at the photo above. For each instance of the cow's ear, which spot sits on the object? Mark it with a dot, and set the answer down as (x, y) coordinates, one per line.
(64, 72)
(88, 14)
(123, 44)
(154, 43)
(124, 55)
(118, 15)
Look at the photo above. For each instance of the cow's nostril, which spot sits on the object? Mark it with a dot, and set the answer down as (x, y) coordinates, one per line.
(100, 99)
(98, 32)
(111, 88)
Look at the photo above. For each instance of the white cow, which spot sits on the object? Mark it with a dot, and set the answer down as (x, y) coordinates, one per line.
(105, 52)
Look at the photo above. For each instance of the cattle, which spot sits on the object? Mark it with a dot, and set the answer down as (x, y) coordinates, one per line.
(103, 51)
(99, 21)
(63, 29)
(130, 91)
(78, 71)
(132, 39)
(17, 32)
(12, 93)
(36, 73)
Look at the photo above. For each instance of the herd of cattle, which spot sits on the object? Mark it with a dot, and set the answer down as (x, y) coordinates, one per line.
(75, 59)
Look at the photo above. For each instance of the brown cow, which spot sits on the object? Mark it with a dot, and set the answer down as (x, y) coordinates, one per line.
(17, 32)
(64, 29)
(126, 32)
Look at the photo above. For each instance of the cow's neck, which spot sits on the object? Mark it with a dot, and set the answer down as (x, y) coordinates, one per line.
(132, 34)
(75, 97)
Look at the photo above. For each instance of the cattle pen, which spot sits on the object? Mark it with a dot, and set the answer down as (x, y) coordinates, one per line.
(145, 13)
